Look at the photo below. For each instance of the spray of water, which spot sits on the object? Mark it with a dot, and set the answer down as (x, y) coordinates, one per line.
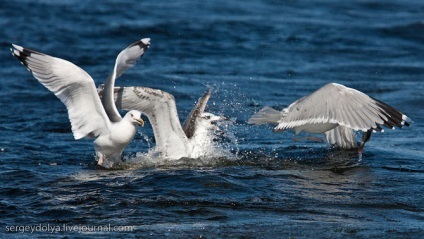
(211, 147)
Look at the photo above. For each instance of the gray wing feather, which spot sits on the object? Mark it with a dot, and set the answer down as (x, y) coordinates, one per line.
(342, 137)
(189, 125)
(266, 115)
(338, 104)
(160, 109)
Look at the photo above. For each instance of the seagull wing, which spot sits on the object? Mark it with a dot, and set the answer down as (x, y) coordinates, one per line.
(342, 137)
(189, 125)
(161, 110)
(125, 60)
(73, 86)
(338, 104)
(128, 57)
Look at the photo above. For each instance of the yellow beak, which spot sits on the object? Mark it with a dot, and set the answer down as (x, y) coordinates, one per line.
(140, 121)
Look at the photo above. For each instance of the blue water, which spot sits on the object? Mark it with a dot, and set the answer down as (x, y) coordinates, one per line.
(253, 53)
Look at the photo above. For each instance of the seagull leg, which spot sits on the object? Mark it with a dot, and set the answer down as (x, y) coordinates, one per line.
(365, 137)
(99, 158)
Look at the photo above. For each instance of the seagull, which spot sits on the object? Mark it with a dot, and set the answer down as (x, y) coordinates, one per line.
(336, 111)
(77, 91)
(173, 140)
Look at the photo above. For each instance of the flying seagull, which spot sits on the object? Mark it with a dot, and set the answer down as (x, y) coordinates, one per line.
(173, 140)
(76, 89)
(336, 111)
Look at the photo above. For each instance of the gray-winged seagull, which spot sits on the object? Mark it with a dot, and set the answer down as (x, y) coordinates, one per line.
(335, 110)
(173, 140)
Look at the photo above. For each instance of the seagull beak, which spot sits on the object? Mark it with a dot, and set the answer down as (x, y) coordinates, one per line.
(140, 121)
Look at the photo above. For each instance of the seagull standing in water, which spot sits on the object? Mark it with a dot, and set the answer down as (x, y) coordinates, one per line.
(77, 91)
(336, 111)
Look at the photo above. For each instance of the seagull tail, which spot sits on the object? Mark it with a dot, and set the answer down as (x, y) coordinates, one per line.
(267, 115)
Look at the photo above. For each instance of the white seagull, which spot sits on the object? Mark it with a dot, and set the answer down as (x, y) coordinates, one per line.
(76, 89)
(336, 111)
(173, 140)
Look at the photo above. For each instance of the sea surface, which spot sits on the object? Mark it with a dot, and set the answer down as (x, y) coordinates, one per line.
(252, 54)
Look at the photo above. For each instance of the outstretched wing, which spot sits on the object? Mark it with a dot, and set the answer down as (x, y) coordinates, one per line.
(130, 55)
(338, 104)
(189, 125)
(72, 85)
(125, 60)
(160, 109)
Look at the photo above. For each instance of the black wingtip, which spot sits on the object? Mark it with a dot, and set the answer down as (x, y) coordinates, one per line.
(20, 53)
(378, 129)
(146, 42)
(394, 117)
(143, 43)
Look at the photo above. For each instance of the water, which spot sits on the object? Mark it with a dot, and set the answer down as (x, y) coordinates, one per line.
(253, 54)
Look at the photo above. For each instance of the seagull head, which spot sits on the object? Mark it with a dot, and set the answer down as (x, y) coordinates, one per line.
(135, 117)
(211, 118)
(210, 121)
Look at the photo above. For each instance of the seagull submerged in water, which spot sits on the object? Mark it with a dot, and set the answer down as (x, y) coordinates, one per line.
(336, 111)
(76, 89)
(193, 139)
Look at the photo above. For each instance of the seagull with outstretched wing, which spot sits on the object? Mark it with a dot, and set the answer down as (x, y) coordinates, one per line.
(173, 140)
(336, 111)
(76, 89)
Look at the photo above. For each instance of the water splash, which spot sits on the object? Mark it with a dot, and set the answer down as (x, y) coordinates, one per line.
(211, 147)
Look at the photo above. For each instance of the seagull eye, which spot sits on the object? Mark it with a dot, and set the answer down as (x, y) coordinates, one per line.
(132, 115)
